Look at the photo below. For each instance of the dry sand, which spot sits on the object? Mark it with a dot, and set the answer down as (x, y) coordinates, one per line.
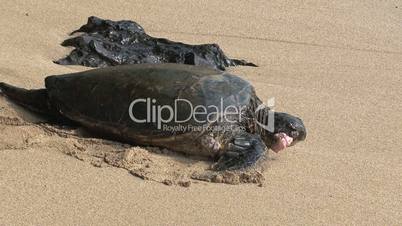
(335, 64)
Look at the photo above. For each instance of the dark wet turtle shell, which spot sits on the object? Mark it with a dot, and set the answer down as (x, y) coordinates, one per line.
(101, 98)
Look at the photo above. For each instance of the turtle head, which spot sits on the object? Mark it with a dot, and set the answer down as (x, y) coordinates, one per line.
(287, 131)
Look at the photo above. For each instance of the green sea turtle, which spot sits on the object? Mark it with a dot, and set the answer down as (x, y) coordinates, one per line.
(190, 109)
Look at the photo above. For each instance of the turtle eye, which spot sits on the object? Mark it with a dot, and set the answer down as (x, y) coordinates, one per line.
(294, 134)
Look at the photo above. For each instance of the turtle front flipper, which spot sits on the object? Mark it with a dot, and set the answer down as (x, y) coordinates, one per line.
(243, 151)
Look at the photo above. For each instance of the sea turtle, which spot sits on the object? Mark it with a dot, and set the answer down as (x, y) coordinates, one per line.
(190, 109)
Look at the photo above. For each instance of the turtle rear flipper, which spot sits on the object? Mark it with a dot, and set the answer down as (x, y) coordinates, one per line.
(244, 151)
(35, 100)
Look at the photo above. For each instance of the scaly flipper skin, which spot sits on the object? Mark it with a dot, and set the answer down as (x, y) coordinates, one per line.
(244, 151)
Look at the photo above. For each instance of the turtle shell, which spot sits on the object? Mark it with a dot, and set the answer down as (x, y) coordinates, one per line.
(111, 98)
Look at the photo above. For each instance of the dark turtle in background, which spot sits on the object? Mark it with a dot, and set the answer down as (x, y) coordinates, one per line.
(105, 43)
(130, 103)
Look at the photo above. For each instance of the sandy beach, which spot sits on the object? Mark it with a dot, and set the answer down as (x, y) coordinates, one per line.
(337, 65)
